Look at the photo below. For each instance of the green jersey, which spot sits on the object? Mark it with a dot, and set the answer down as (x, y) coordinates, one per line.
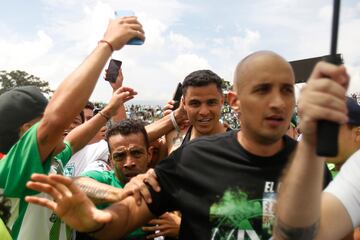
(4, 233)
(29, 221)
(109, 177)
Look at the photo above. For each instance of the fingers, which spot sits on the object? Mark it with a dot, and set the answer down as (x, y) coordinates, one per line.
(158, 234)
(323, 100)
(139, 188)
(334, 72)
(45, 188)
(151, 179)
(42, 202)
(166, 112)
(121, 30)
(157, 221)
(135, 188)
(169, 105)
(48, 184)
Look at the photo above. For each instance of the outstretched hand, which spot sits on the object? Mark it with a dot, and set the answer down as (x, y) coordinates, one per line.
(69, 202)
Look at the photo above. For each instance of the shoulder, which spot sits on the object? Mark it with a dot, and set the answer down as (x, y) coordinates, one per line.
(213, 139)
(95, 174)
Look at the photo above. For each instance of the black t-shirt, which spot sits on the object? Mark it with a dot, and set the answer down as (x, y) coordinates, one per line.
(188, 135)
(222, 190)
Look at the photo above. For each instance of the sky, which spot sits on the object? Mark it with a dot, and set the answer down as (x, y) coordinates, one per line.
(50, 38)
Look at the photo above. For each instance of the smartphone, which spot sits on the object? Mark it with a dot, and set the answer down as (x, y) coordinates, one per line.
(113, 70)
(126, 13)
(177, 96)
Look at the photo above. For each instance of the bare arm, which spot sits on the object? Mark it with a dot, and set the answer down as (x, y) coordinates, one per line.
(164, 125)
(302, 212)
(127, 216)
(121, 113)
(81, 135)
(72, 95)
(99, 192)
(70, 203)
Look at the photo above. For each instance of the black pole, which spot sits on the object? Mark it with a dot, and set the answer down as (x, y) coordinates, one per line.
(327, 131)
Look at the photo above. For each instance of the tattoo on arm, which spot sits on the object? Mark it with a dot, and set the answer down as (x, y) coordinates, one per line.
(94, 192)
(284, 232)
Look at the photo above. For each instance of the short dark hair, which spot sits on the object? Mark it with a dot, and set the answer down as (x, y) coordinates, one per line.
(90, 105)
(201, 78)
(127, 127)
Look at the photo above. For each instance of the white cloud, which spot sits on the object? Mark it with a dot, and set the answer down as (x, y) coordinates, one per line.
(294, 28)
(185, 64)
(180, 41)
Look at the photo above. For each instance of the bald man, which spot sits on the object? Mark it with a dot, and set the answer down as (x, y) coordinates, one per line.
(224, 185)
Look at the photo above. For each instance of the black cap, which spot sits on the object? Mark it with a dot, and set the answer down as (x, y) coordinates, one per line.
(18, 106)
(353, 111)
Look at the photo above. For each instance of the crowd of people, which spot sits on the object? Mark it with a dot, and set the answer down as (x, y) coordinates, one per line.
(204, 170)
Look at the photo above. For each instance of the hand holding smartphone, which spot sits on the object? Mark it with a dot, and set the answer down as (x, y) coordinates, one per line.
(126, 13)
(177, 96)
(113, 70)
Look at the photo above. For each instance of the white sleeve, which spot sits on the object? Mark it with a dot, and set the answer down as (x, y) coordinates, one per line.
(346, 187)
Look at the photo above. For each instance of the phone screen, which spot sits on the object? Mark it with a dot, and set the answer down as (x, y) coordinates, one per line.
(177, 96)
(113, 70)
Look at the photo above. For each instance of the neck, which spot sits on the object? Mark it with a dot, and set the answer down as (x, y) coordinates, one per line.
(218, 129)
(257, 148)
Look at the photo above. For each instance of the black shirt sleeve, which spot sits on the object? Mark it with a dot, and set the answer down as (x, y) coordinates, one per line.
(167, 176)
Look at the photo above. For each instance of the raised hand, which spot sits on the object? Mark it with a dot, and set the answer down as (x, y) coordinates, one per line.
(323, 99)
(119, 97)
(69, 203)
(121, 30)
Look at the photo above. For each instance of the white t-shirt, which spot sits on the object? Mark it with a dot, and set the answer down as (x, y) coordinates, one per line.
(346, 187)
(91, 157)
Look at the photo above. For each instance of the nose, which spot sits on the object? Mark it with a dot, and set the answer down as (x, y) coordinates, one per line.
(277, 101)
(129, 163)
(204, 110)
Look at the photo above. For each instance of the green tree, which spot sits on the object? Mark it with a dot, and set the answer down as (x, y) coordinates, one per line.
(10, 80)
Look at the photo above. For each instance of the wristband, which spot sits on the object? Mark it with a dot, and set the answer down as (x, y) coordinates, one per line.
(104, 116)
(109, 44)
(174, 123)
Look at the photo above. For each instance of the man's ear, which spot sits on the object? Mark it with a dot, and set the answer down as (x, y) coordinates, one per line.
(233, 101)
(23, 128)
(150, 154)
(356, 134)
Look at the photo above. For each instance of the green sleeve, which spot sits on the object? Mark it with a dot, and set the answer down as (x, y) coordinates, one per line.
(100, 176)
(22, 161)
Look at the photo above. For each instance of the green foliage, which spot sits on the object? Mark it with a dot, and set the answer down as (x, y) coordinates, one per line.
(10, 80)
(226, 86)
